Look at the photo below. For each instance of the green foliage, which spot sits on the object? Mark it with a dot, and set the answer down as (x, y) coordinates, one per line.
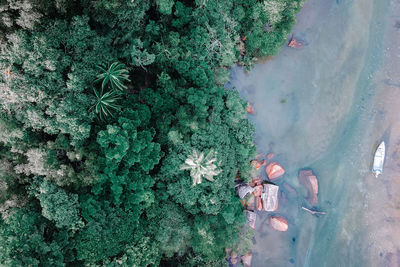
(201, 166)
(112, 192)
(27, 240)
(165, 6)
(174, 232)
(116, 75)
(106, 234)
(105, 103)
(58, 205)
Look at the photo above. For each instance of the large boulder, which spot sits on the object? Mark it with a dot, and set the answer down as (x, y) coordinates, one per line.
(274, 171)
(269, 197)
(278, 223)
(310, 181)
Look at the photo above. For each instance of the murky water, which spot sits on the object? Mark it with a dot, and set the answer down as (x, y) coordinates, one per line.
(326, 107)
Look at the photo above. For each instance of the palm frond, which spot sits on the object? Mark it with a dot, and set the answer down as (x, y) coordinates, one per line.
(201, 166)
(116, 75)
(106, 103)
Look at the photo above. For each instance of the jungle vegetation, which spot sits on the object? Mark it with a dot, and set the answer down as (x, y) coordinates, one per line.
(106, 107)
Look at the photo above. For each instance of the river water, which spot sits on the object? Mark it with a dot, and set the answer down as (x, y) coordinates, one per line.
(326, 107)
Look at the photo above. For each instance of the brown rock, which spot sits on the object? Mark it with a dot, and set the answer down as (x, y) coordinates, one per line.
(259, 203)
(250, 108)
(258, 190)
(294, 44)
(269, 197)
(255, 182)
(274, 171)
(310, 181)
(258, 163)
(246, 259)
(278, 223)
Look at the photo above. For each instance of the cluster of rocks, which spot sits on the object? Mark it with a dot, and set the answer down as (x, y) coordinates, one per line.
(233, 258)
(264, 195)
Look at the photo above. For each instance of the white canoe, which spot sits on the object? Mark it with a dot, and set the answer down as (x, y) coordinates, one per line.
(379, 158)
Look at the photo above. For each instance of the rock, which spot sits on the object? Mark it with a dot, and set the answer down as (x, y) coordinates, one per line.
(274, 171)
(258, 190)
(294, 44)
(270, 156)
(259, 203)
(310, 181)
(251, 218)
(259, 156)
(246, 259)
(249, 108)
(234, 258)
(270, 197)
(258, 164)
(256, 181)
(243, 190)
(278, 223)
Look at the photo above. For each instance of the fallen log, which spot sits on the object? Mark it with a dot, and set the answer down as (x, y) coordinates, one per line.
(313, 212)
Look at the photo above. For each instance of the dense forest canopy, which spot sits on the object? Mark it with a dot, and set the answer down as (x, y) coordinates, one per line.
(111, 112)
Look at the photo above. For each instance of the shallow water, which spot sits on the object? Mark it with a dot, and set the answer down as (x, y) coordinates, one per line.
(326, 106)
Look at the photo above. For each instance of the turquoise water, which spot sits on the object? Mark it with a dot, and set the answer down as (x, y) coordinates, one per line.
(326, 107)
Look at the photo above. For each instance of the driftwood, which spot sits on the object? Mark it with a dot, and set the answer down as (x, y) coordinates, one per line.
(313, 212)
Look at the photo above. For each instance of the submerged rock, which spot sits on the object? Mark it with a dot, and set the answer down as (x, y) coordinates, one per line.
(278, 223)
(290, 190)
(274, 171)
(310, 181)
(246, 259)
(270, 155)
(251, 218)
(269, 197)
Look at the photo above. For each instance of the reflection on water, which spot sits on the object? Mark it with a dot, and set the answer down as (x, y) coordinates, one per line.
(326, 107)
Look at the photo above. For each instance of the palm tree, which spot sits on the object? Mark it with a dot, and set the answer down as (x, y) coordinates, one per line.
(201, 166)
(105, 103)
(116, 74)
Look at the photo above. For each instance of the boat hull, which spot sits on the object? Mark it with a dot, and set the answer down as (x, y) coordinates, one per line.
(379, 159)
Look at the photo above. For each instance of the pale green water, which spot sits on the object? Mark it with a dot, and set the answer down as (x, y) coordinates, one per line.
(326, 106)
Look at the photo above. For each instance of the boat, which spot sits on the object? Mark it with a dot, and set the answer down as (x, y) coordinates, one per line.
(379, 158)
